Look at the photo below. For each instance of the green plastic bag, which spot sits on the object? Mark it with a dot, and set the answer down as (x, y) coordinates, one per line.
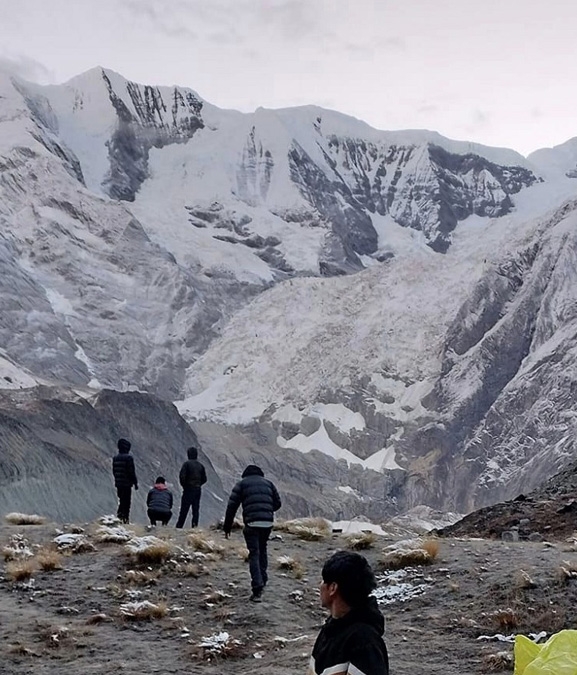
(557, 656)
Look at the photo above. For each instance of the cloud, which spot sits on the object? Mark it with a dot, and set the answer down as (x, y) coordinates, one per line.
(172, 19)
(26, 67)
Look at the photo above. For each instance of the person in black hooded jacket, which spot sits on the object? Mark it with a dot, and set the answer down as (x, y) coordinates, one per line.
(192, 477)
(351, 639)
(124, 478)
(260, 499)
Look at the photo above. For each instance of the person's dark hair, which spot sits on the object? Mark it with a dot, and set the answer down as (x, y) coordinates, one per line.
(353, 574)
(192, 452)
(123, 445)
(160, 479)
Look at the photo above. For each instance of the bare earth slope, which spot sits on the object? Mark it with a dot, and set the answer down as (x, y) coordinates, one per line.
(69, 620)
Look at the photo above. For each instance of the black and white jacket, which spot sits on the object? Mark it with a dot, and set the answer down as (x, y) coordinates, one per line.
(352, 645)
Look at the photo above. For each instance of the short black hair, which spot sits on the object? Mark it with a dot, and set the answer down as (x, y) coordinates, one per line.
(160, 479)
(353, 574)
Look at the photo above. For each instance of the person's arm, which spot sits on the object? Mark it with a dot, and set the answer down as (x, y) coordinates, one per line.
(369, 658)
(233, 504)
(183, 474)
(148, 496)
(276, 502)
(132, 472)
(170, 500)
(202, 475)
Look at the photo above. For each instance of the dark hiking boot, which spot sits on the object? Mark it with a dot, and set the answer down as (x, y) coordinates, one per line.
(256, 595)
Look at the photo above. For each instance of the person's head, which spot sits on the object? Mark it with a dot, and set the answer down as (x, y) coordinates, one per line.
(252, 470)
(123, 445)
(192, 452)
(348, 580)
(160, 480)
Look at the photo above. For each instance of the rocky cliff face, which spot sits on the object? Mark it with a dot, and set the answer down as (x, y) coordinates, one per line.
(503, 402)
(58, 449)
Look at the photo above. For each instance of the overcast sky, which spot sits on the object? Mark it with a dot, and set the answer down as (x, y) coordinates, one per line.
(500, 72)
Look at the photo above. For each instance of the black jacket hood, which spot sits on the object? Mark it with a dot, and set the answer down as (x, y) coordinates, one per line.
(192, 452)
(252, 470)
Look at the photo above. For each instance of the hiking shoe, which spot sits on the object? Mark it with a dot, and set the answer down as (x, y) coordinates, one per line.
(256, 596)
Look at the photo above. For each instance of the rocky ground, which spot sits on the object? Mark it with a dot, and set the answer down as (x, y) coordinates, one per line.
(71, 619)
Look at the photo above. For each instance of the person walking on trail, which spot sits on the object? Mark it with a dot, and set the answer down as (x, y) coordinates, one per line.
(124, 478)
(192, 477)
(351, 640)
(260, 499)
(159, 502)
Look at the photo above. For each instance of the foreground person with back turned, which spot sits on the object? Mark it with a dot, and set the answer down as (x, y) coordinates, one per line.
(350, 642)
(260, 499)
(124, 478)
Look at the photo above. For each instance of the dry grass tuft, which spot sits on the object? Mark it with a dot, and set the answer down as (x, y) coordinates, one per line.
(21, 570)
(149, 550)
(292, 565)
(49, 560)
(497, 662)
(567, 571)
(17, 549)
(523, 580)
(361, 541)
(215, 597)
(200, 541)
(24, 519)
(223, 614)
(194, 570)
(396, 560)
(412, 553)
(143, 610)
(432, 547)
(98, 618)
(505, 619)
(142, 577)
(308, 529)
(18, 649)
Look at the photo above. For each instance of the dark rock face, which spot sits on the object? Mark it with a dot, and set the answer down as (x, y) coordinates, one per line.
(58, 449)
(351, 226)
(153, 125)
(546, 513)
(425, 187)
(254, 170)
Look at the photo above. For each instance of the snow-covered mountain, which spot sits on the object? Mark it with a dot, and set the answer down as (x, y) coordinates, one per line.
(397, 300)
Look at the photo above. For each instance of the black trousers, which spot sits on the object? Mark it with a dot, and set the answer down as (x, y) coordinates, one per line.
(190, 499)
(163, 516)
(124, 496)
(256, 539)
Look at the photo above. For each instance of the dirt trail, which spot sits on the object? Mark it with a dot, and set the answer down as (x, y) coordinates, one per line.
(475, 587)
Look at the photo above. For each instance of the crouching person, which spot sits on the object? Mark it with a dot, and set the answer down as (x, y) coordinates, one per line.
(351, 640)
(159, 502)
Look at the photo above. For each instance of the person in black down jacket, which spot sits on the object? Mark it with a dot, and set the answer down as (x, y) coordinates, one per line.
(159, 502)
(351, 639)
(124, 478)
(192, 477)
(259, 499)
